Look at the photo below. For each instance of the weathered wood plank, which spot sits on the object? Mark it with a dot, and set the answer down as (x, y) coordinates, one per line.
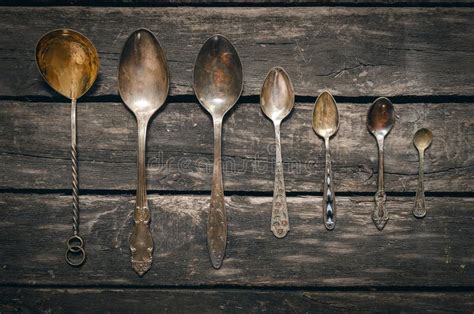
(34, 148)
(350, 51)
(229, 2)
(435, 251)
(227, 301)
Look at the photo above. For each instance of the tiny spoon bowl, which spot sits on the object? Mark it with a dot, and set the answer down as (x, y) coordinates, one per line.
(325, 116)
(423, 139)
(277, 97)
(68, 62)
(381, 118)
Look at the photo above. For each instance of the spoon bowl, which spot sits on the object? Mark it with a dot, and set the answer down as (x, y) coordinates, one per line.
(68, 62)
(325, 116)
(143, 74)
(277, 97)
(423, 139)
(218, 77)
(381, 117)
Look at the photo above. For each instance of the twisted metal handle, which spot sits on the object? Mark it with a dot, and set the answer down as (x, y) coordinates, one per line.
(329, 197)
(380, 214)
(75, 253)
(419, 209)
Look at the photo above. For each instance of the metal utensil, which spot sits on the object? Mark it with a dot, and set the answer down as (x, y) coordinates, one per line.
(143, 85)
(218, 83)
(326, 124)
(277, 99)
(69, 63)
(380, 120)
(422, 140)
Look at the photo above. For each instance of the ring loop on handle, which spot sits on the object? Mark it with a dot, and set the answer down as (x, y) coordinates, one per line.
(77, 249)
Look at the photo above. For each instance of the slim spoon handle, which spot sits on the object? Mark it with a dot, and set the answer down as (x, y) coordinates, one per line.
(141, 241)
(217, 221)
(75, 253)
(380, 214)
(329, 197)
(280, 224)
(419, 210)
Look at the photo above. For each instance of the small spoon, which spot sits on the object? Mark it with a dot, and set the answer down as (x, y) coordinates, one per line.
(143, 79)
(277, 99)
(422, 140)
(69, 63)
(326, 124)
(218, 83)
(380, 120)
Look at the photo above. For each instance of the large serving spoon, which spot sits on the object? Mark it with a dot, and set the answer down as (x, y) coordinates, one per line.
(326, 124)
(277, 99)
(380, 120)
(422, 140)
(143, 85)
(69, 63)
(218, 83)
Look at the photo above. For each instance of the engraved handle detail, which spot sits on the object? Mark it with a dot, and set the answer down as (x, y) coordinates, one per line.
(141, 241)
(419, 210)
(329, 197)
(280, 223)
(380, 214)
(217, 221)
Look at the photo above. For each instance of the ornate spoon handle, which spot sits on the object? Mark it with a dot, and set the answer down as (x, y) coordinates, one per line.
(280, 224)
(380, 214)
(141, 241)
(419, 210)
(75, 253)
(329, 197)
(217, 221)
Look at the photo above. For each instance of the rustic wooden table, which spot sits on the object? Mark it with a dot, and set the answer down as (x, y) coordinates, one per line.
(421, 55)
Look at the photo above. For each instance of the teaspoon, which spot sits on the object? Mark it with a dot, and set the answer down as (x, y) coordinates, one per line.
(277, 99)
(380, 120)
(143, 85)
(422, 140)
(69, 63)
(326, 124)
(218, 83)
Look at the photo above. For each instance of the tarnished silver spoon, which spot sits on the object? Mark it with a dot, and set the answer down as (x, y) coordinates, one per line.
(143, 85)
(380, 120)
(422, 140)
(326, 124)
(218, 83)
(277, 99)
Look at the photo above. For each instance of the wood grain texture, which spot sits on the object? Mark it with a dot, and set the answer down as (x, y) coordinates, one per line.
(34, 148)
(227, 301)
(350, 51)
(436, 251)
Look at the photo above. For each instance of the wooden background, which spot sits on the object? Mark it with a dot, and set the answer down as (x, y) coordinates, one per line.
(420, 54)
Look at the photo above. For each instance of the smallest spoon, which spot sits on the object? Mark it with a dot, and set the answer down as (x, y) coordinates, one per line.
(422, 140)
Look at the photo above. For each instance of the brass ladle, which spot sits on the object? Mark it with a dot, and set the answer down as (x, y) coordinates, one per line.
(277, 99)
(218, 83)
(69, 63)
(380, 120)
(143, 85)
(326, 124)
(422, 140)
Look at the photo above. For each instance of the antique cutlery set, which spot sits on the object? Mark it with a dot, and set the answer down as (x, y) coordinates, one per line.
(69, 63)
